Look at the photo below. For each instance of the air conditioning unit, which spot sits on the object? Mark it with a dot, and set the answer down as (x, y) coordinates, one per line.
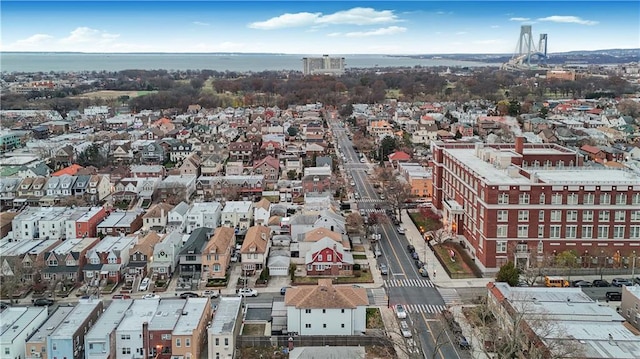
(36, 355)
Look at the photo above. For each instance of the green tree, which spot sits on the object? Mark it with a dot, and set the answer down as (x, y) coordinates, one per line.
(508, 273)
(93, 156)
(387, 146)
(292, 131)
(567, 260)
(292, 174)
(514, 108)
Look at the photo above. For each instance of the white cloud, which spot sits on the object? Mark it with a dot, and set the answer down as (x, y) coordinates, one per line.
(287, 20)
(391, 30)
(199, 23)
(568, 19)
(31, 41)
(519, 19)
(355, 16)
(88, 35)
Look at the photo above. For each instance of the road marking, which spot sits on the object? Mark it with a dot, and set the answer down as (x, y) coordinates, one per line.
(409, 283)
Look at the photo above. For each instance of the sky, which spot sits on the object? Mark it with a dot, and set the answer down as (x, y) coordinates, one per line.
(315, 27)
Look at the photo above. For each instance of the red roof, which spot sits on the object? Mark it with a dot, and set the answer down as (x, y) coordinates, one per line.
(399, 156)
(590, 149)
(71, 170)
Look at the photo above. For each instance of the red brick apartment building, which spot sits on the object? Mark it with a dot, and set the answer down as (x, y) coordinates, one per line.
(525, 202)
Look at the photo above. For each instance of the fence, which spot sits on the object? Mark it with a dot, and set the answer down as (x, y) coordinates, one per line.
(311, 340)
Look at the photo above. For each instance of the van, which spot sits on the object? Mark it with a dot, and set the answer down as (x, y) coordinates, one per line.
(559, 282)
(144, 285)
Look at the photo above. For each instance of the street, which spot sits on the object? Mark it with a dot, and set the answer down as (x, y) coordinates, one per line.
(403, 285)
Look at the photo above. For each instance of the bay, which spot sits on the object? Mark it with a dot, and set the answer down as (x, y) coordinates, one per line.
(76, 62)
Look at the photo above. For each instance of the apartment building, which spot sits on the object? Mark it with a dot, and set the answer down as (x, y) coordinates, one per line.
(238, 214)
(225, 326)
(630, 305)
(520, 202)
(84, 221)
(99, 342)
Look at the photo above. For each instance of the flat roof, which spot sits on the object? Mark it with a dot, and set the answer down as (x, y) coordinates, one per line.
(237, 206)
(484, 169)
(108, 321)
(167, 314)
(225, 317)
(55, 319)
(142, 310)
(73, 245)
(191, 315)
(75, 319)
(111, 220)
(587, 175)
(14, 321)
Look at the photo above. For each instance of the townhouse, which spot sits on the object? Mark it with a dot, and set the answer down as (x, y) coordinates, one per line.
(216, 255)
(238, 215)
(225, 326)
(99, 342)
(18, 323)
(67, 340)
(36, 343)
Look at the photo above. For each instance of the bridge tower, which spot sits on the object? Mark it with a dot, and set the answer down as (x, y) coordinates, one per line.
(525, 44)
(542, 44)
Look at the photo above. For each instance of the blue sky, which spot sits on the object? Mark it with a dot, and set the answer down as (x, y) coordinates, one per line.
(315, 27)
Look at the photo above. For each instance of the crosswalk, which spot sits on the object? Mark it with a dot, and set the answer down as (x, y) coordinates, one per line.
(425, 308)
(450, 295)
(379, 296)
(409, 283)
(369, 200)
(373, 210)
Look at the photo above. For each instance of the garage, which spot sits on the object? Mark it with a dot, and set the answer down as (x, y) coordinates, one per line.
(278, 263)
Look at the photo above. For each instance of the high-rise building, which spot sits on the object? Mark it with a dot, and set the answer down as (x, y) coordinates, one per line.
(527, 202)
(325, 65)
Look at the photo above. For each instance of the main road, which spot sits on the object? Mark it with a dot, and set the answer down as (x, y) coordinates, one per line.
(403, 285)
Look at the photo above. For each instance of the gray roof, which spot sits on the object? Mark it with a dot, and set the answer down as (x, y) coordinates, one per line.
(108, 321)
(197, 240)
(54, 320)
(167, 314)
(224, 320)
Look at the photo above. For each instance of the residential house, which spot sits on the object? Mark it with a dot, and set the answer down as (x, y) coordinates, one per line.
(211, 165)
(326, 309)
(419, 178)
(100, 340)
(106, 260)
(36, 343)
(157, 332)
(67, 340)
(328, 257)
(156, 217)
(630, 305)
(380, 129)
(317, 179)
(176, 188)
(63, 157)
(191, 253)
(85, 223)
(129, 338)
(262, 212)
(122, 152)
(153, 153)
(234, 168)
(241, 151)
(225, 327)
(146, 171)
(180, 151)
(66, 261)
(178, 217)
(255, 248)
(99, 188)
(425, 133)
(166, 254)
(190, 333)
(301, 223)
(190, 165)
(594, 153)
(18, 323)
(203, 214)
(120, 223)
(269, 167)
(141, 256)
(238, 215)
(216, 255)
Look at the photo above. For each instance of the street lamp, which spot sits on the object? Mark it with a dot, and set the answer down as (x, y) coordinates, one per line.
(633, 265)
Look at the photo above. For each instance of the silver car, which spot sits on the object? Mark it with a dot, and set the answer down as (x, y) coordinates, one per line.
(384, 270)
(404, 328)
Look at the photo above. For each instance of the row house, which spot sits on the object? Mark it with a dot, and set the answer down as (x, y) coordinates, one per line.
(157, 332)
(156, 217)
(146, 171)
(24, 258)
(40, 222)
(120, 223)
(317, 179)
(177, 219)
(84, 222)
(66, 261)
(67, 339)
(241, 151)
(234, 168)
(166, 254)
(216, 255)
(203, 214)
(211, 165)
(190, 333)
(99, 342)
(269, 167)
(176, 188)
(255, 248)
(106, 261)
(140, 257)
(262, 212)
(191, 253)
(271, 148)
(238, 215)
(36, 343)
(178, 152)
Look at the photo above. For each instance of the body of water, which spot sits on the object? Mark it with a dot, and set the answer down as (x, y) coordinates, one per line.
(71, 62)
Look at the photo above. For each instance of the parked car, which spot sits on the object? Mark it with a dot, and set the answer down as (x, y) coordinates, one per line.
(121, 296)
(43, 302)
(234, 258)
(636, 281)
(411, 248)
(283, 290)
(247, 292)
(144, 284)
(419, 264)
(424, 272)
(401, 230)
(186, 295)
(211, 293)
(619, 282)
(581, 283)
(404, 328)
(400, 312)
(150, 296)
(384, 270)
(601, 283)
(415, 255)
(463, 343)
(614, 296)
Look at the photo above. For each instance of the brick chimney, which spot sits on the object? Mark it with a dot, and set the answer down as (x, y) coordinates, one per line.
(520, 145)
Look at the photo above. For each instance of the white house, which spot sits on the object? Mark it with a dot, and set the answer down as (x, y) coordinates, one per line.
(326, 309)
(303, 223)
(262, 212)
(166, 254)
(18, 323)
(238, 214)
(129, 338)
(177, 219)
(203, 214)
(226, 324)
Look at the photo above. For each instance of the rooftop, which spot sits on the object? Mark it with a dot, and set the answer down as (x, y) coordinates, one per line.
(237, 206)
(167, 314)
(75, 319)
(55, 319)
(15, 320)
(225, 317)
(141, 311)
(191, 316)
(108, 321)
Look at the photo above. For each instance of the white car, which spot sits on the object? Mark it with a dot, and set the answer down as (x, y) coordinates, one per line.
(247, 292)
(400, 312)
(150, 296)
(211, 293)
(144, 285)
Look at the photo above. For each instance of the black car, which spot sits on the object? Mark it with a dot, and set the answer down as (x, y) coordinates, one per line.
(411, 248)
(186, 295)
(419, 264)
(636, 280)
(614, 296)
(601, 283)
(43, 302)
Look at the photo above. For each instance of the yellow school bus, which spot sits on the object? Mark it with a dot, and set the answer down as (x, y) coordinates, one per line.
(560, 282)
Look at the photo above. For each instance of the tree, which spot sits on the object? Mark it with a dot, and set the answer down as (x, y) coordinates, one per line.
(398, 193)
(11, 277)
(292, 131)
(94, 155)
(387, 146)
(629, 108)
(567, 260)
(354, 223)
(292, 174)
(508, 273)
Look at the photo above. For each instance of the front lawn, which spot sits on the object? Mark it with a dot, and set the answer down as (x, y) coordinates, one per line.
(426, 220)
(374, 319)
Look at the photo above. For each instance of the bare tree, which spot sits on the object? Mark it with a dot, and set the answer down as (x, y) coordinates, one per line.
(398, 193)
(11, 277)
(354, 222)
